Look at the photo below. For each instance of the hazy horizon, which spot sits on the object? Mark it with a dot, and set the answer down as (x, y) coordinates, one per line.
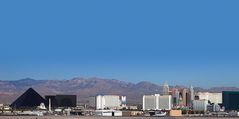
(127, 81)
(180, 42)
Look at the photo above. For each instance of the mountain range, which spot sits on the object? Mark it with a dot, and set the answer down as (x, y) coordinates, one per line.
(84, 88)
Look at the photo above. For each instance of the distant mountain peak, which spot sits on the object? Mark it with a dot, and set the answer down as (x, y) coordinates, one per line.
(27, 79)
(85, 87)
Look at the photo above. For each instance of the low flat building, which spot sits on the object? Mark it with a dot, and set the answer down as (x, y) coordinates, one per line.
(175, 113)
(132, 107)
(132, 113)
(108, 113)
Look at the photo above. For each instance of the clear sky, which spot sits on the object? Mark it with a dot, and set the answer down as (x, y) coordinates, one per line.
(180, 42)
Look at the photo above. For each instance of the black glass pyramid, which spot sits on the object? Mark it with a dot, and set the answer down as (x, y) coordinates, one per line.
(29, 99)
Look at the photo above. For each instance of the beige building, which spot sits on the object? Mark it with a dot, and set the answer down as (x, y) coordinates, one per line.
(184, 98)
(175, 113)
(212, 97)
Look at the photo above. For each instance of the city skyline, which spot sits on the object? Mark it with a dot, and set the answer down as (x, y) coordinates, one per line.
(185, 42)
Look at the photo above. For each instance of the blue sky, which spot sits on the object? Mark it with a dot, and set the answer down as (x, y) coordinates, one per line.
(181, 42)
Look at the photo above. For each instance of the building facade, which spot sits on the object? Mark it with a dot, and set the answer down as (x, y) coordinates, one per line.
(165, 102)
(150, 102)
(192, 95)
(157, 102)
(61, 100)
(110, 102)
(184, 97)
(175, 97)
(215, 98)
(165, 89)
(200, 105)
(230, 100)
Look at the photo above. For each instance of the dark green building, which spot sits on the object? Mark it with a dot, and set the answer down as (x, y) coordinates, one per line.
(230, 100)
(62, 100)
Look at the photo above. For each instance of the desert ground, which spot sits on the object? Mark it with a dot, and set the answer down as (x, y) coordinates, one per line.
(92, 117)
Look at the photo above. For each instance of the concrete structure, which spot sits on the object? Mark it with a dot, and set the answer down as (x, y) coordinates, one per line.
(132, 113)
(175, 113)
(213, 108)
(192, 95)
(175, 97)
(230, 100)
(165, 102)
(61, 100)
(200, 105)
(233, 113)
(92, 102)
(157, 102)
(165, 89)
(215, 98)
(184, 97)
(123, 101)
(132, 107)
(108, 113)
(110, 102)
(150, 102)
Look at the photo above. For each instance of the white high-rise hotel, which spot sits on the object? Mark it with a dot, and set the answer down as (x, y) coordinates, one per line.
(157, 102)
(110, 102)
